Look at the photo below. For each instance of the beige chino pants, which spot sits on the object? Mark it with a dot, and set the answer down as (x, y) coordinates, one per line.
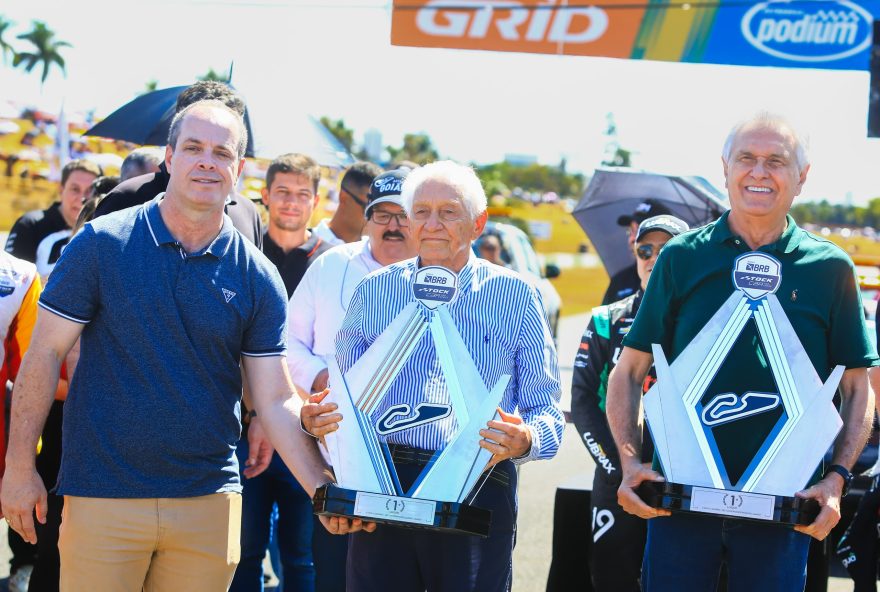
(154, 545)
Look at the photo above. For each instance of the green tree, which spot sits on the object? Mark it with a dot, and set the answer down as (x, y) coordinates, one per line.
(337, 127)
(416, 147)
(215, 76)
(5, 48)
(45, 51)
(536, 178)
(150, 86)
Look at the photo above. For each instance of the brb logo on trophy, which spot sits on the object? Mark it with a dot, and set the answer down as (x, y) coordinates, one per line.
(741, 454)
(367, 485)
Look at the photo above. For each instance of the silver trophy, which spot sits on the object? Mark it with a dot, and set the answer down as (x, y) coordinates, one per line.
(366, 480)
(683, 417)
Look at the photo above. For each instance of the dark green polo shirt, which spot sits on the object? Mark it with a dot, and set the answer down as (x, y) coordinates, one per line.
(819, 294)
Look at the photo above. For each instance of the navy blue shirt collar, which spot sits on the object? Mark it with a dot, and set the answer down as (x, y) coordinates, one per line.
(162, 236)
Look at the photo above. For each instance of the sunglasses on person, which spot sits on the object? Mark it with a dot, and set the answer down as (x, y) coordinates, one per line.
(645, 252)
(361, 202)
(384, 218)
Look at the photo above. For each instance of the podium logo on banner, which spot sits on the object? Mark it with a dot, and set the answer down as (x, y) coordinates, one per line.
(819, 31)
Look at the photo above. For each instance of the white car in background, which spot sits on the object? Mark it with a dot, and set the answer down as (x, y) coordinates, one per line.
(519, 255)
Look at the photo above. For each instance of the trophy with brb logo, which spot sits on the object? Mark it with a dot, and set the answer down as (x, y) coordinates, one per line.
(698, 429)
(367, 486)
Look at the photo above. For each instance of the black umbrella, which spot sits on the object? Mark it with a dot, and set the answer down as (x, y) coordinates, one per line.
(615, 192)
(146, 121)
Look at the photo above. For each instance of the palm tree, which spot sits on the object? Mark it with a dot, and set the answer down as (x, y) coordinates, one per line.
(45, 50)
(5, 48)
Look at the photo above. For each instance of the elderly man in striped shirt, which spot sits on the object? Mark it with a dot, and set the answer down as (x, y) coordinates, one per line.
(501, 320)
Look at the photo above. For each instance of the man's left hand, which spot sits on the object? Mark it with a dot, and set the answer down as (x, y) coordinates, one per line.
(827, 492)
(260, 449)
(507, 438)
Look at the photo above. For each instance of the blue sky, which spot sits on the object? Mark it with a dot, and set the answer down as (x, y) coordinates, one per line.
(334, 58)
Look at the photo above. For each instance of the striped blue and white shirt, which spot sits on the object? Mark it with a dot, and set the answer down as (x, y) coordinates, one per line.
(501, 320)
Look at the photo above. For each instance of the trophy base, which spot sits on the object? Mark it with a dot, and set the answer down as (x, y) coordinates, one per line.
(762, 507)
(405, 512)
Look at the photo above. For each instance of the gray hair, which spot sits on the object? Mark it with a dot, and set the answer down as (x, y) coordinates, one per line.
(177, 123)
(775, 122)
(140, 161)
(458, 176)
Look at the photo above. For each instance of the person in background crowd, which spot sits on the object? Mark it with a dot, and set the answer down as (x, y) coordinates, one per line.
(315, 315)
(38, 237)
(446, 206)
(347, 223)
(626, 281)
(21, 286)
(859, 546)
(290, 195)
(618, 537)
(765, 166)
(141, 161)
(489, 248)
(98, 189)
(139, 190)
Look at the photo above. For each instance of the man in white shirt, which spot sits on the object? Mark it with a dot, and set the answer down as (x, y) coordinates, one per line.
(319, 302)
(315, 314)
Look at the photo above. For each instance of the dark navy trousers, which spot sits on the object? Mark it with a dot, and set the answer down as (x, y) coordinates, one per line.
(685, 552)
(393, 559)
(276, 485)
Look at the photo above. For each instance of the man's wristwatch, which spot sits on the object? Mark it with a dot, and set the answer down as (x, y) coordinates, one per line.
(845, 475)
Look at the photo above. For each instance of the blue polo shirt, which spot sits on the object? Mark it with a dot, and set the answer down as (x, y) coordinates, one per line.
(154, 406)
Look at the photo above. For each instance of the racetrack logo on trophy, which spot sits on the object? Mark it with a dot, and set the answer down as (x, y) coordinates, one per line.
(395, 418)
(729, 407)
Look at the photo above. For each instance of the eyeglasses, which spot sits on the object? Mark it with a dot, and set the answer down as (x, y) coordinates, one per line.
(645, 252)
(384, 218)
(361, 202)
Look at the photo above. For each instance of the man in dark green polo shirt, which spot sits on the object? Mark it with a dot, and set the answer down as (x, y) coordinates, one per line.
(765, 166)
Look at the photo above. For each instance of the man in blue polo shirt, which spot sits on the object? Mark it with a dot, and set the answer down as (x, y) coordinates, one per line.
(167, 298)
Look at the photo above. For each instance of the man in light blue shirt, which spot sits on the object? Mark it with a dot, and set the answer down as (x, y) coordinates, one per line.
(501, 321)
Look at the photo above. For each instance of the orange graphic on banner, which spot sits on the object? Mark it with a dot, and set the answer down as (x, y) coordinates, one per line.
(550, 26)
